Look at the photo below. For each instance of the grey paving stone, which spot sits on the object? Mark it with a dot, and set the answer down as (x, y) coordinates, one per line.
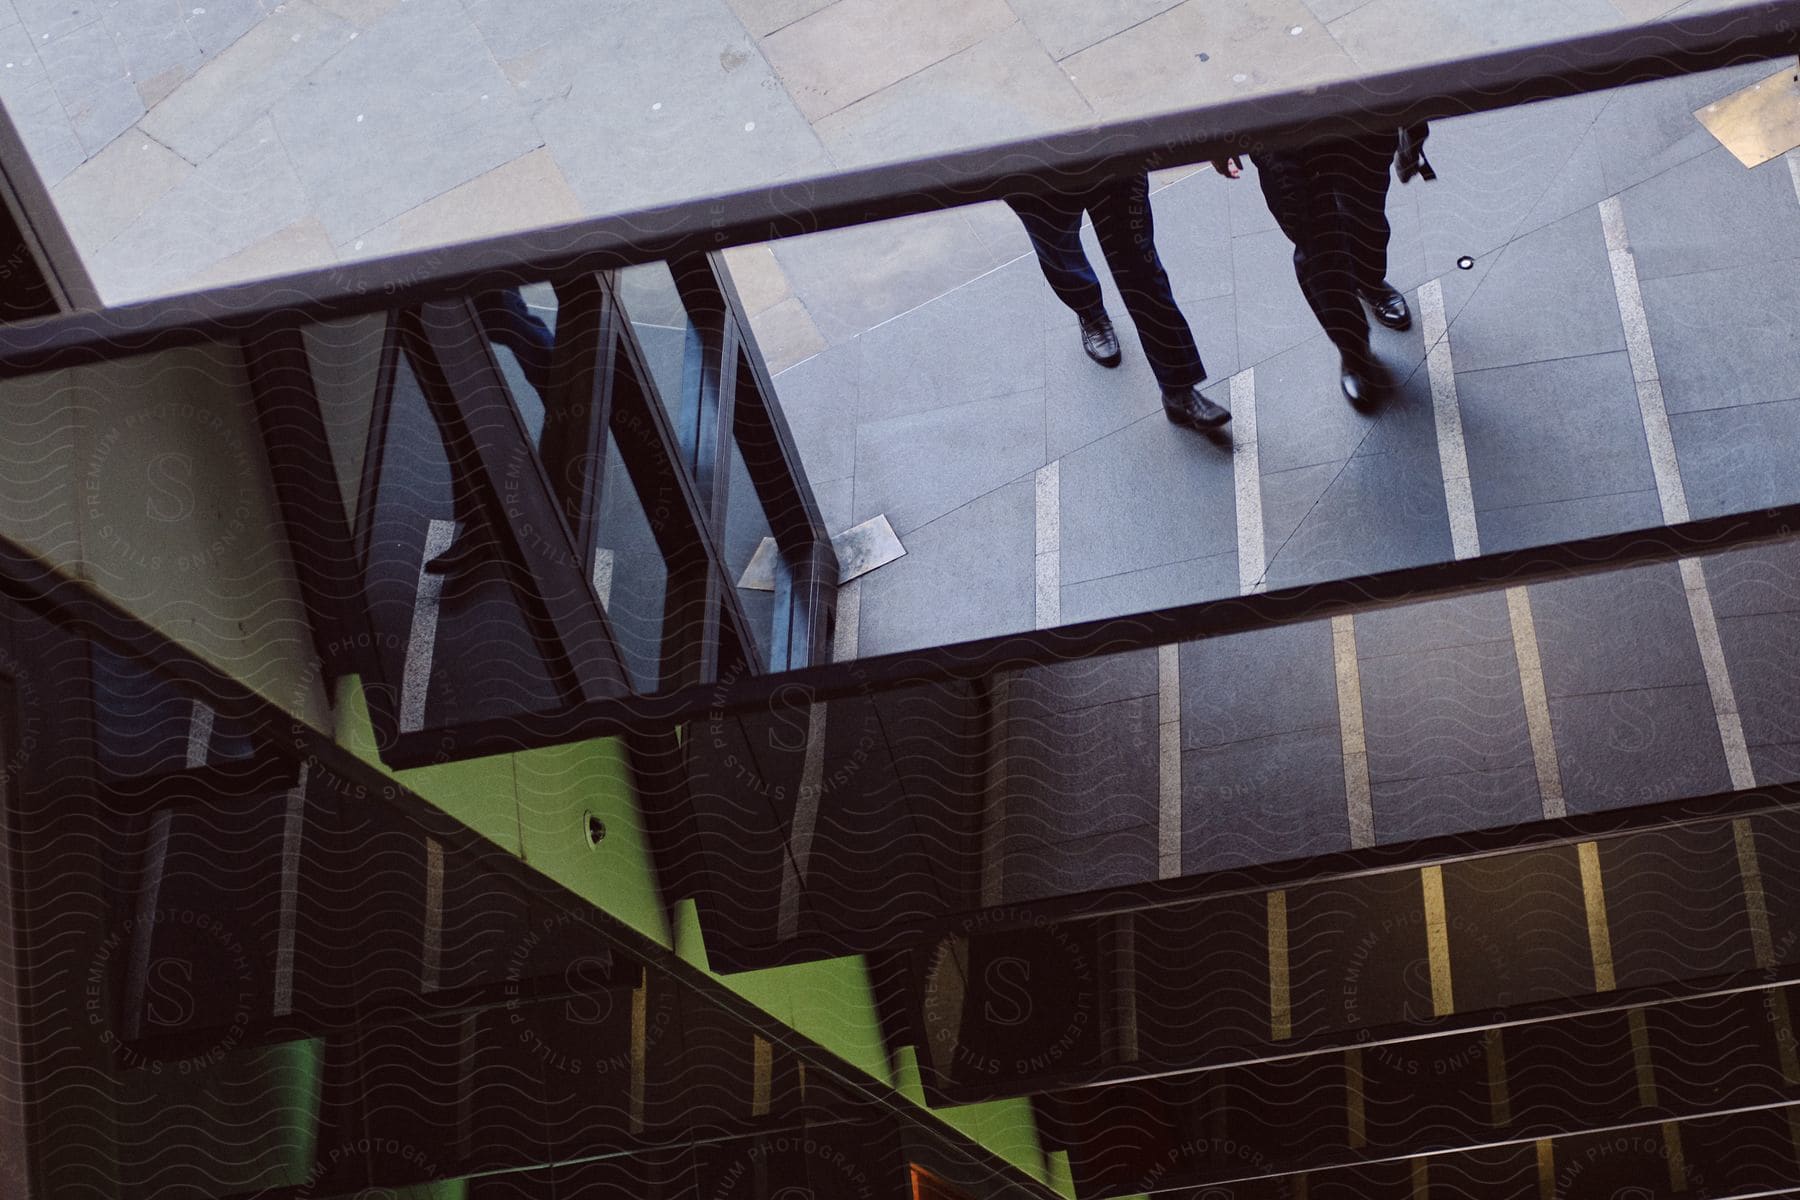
(1444, 804)
(1578, 183)
(1385, 35)
(244, 193)
(216, 24)
(106, 193)
(515, 27)
(818, 397)
(1331, 10)
(1254, 685)
(724, 121)
(1036, 870)
(46, 19)
(763, 17)
(1451, 711)
(240, 85)
(1272, 313)
(1565, 520)
(1302, 419)
(1066, 26)
(359, 152)
(159, 51)
(1762, 653)
(1381, 512)
(1494, 171)
(1638, 747)
(1725, 337)
(1710, 213)
(1616, 631)
(1151, 494)
(983, 340)
(1084, 402)
(1081, 773)
(852, 280)
(1248, 49)
(1249, 210)
(966, 575)
(1083, 682)
(1165, 586)
(1549, 295)
(1553, 430)
(35, 111)
(1264, 801)
(1002, 88)
(92, 81)
(834, 497)
(1776, 764)
(785, 334)
(1288, 498)
(1738, 459)
(1193, 235)
(854, 48)
(1761, 579)
(1433, 625)
(1647, 128)
(917, 467)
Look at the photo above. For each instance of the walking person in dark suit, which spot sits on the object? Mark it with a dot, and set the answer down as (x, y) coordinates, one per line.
(1330, 199)
(1120, 209)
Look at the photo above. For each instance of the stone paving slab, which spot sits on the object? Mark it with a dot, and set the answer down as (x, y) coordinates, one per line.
(110, 190)
(242, 84)
(692, 108)
(242, 194)
(357, 118)
(158, 49)
(854, 48)
(1001, 88)
(1155, 66)
(32, 103)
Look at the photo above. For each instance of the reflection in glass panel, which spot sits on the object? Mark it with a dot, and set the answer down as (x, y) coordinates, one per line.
(520, 323)
(630, 576)
(345, 360)
(746, 527)
(669, 341)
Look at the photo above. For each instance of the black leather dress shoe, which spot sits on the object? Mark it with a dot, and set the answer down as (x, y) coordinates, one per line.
(1099, 340)
(1363, 377)
(468, 552)
(1186, 406)
(1389, 306)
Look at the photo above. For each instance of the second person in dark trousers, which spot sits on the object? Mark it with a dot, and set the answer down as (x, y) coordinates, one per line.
(1120, 210)
(1330, 199)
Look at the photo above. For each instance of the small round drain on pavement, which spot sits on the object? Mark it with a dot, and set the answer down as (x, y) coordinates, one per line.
(596, 830)
(1465, 263)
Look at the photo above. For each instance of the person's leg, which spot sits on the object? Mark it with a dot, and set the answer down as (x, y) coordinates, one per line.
(1055, 231)
(1127, 233)
(509, 322)
(1362, 166)
(1301, 191)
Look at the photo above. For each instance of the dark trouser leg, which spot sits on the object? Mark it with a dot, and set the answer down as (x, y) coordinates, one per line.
(1362, 169)
(1304, 200)
(1055, 232)
(510, 322)
(1127, 234)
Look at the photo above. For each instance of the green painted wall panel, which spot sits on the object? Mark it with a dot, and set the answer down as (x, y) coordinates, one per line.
(479, 792)
(557, 788)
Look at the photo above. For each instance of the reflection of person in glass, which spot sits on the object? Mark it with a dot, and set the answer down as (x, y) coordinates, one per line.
(1120, 209)
(1330, 199)
(508, 321)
